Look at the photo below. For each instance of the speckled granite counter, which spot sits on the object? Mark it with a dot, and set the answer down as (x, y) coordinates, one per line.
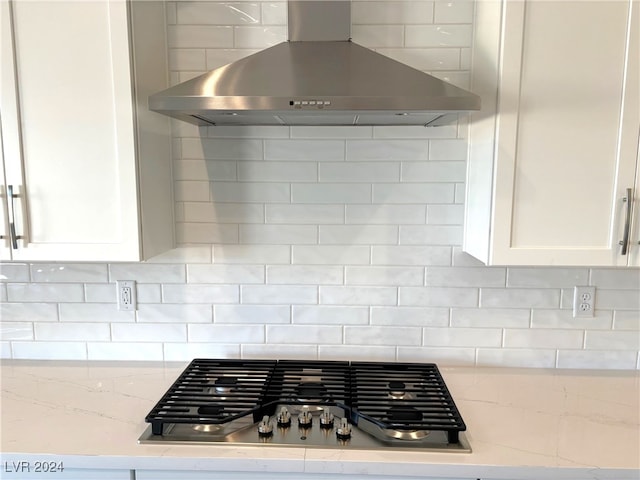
(522, 424)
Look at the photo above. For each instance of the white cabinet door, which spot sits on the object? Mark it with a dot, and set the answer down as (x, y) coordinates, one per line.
(69, 130)
(555, 147)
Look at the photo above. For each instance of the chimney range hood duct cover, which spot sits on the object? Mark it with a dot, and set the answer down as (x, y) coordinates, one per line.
(318, 77)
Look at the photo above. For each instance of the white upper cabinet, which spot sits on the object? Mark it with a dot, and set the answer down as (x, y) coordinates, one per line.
(555, 148)
(89, 168)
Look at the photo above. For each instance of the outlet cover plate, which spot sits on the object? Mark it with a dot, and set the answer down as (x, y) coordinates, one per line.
(584, 301)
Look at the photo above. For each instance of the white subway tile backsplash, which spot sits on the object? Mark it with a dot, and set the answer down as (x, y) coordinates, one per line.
(274, 13)
(278, 294)
(176, 293)
(94, 313)
(50, 331)
(305, 214)
(250, 192)
(225, 274)
(14, 272)
(195, 170)
(438, 35)
(461, 337)
(185, 352)
(49, 350)
(440, 355)
(282, 352)
(16, 330)
(445, 214)
(542, 277)
(435, 171)
(307, 208)
(307, 150)
(618, 278)
(226, 333)
(404, 193)
(297, 334)
(410, 316)
(330, 254)
(405, 255)
(223, 213)
(29, 312)
(490, 317)
(382, 276)
(188, 59)
(222, 148)
(206, 233)
(431, 235)
(540, 318)
(465, 277)
(615, 340)
(358, 234)
(259, 36)
(385, 214)
(278, 234)
(273, 171)
(509, 357)
(438, 296)
(331, 193)
(396, 12)
(329, 315)
(358, 295)
(171, 313)
(460, 11)
(624, 360)
(45, 292)
(200, 36)
(305, 275)
(252, 254)
(214, 13)
(519, 298)
(378, 35)
(256, 314)
(365, 172)
(624, 320)
(614, 299)
(149, 332)
(543, 338)
(362, 353)
(131, 351)
(388, 149)
(149, 273)
(375, 335)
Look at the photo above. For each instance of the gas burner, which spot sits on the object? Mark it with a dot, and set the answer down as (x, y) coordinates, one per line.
(223, 385)
(397, 390)
(312, 392)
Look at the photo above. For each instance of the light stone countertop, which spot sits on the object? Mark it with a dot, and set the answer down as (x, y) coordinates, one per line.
(521, 424)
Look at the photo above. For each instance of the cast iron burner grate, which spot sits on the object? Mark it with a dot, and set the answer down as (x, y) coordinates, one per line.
(213, 392)
(382, 398)
(404, 397)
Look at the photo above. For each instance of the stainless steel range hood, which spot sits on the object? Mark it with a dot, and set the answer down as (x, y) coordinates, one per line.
(318, 77)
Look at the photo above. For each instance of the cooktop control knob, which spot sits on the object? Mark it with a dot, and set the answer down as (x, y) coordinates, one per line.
(326, 419)
(284, 418)
(304, 419)
(344, 429)
(265, 427)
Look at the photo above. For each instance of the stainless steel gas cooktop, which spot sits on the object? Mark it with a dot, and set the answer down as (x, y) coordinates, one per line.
(361, 405)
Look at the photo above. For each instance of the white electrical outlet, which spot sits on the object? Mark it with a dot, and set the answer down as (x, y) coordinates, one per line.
(584, 300)
(126, 293)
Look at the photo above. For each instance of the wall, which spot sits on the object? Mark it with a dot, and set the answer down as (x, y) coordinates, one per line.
(330, 243)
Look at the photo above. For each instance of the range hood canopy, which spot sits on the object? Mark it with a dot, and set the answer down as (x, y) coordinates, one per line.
(318, 77)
